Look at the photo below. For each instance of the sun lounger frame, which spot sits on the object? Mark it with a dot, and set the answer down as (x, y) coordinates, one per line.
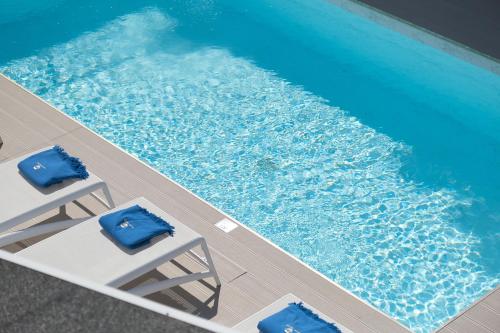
(120, 266)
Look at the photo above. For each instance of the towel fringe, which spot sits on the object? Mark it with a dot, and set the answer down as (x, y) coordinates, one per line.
(313, 315)
(76, 163)
(159, 220)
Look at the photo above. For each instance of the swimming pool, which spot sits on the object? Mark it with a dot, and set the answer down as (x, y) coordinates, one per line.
(368, 155)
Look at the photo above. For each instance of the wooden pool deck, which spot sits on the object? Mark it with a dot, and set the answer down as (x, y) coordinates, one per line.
(254, 273)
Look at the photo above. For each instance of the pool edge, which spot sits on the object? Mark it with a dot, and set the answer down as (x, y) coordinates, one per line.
(420, 34)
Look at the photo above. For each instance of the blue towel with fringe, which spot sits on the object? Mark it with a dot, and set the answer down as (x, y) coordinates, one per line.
(296, 318)
(51, 166)
(134, 226)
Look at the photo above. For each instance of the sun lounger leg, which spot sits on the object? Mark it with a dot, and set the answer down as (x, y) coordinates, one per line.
(210, 262)
(143, 290)
(107, 194)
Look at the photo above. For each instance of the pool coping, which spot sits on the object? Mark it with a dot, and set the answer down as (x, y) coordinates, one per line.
(306, 266)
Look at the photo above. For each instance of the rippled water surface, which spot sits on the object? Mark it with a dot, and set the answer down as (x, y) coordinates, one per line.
(345, 155)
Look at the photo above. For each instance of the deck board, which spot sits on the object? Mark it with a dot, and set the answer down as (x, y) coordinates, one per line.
(493, 301)
(254, 272)
(484, 315)
(464, 324)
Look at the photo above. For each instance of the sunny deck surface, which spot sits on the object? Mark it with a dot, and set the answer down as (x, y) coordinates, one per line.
(253, 272)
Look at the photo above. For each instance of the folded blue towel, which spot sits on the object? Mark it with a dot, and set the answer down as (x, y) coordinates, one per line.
(51, 166)
(296, 318)
(134, 226)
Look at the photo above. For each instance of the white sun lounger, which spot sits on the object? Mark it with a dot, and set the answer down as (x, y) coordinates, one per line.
(20, 200)
(87, 252)
(249, 325)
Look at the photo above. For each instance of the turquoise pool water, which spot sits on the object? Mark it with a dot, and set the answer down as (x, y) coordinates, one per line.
(371, 157)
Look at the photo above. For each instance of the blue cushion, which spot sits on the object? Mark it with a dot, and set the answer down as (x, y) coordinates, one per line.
(296, 318)
(51, 166)
(134, 226)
